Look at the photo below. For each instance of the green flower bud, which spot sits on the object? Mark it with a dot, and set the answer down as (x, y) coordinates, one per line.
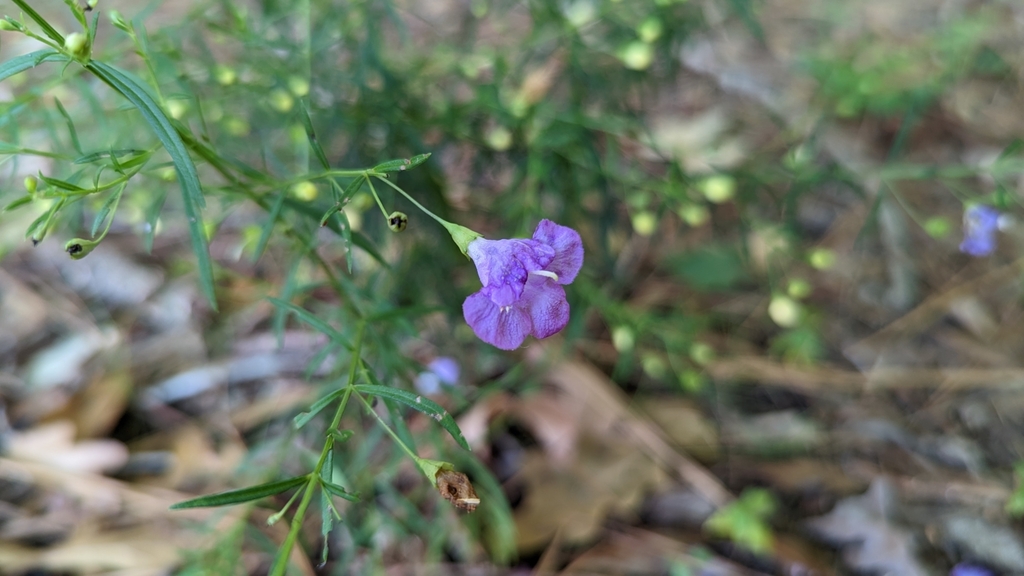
(701, 353)
(718, 189)
(397, 221)
(799, 289)
(637, 55)
(118, 21)
(281, 101)
(645, 223)
(79, 248)
(305, 191)
(650, 30)
(225, 76)
(785, 311)
(92, 4)
(30, 184)
(938, 227)
(77, 44)
(623, 338)
(499, 139)
(9, 25)
(822, 258)
(298, 86)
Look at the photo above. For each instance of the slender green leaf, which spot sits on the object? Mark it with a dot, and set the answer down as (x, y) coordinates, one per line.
(327, 510)
(192, 191)
(47, 28)
(338, 491)
(330, 212)
(242, 495)
(1012, 149)
(351, 189)
(26, 199)
(268, 228)
(94, 156)
(307, 122)
(71, 126)
(303, 418)
(358, 238)
(420, 403)
(152, 214)
(401, 164)
(62, 184)
(307, 317)
(340, 435)
(105, 210)
(317, 361)
(346, 238)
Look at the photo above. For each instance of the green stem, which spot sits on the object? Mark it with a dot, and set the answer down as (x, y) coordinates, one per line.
(392, 433)
(377, 198)
(281, 564)
(440, 220)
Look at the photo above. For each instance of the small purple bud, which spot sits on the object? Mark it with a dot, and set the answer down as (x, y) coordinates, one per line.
(980, 226)
(440, 371)
(446, 368)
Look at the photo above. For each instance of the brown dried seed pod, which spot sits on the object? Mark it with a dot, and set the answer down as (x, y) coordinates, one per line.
(456, 488)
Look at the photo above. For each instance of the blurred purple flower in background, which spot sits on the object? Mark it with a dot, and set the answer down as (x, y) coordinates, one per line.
(970, 570)
(980, 226)
(441, 370)
(522, 278)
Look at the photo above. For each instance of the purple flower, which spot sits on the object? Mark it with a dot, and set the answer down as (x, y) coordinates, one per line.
(980, 226)
(969, 570)
(522, 278)
(440, 370)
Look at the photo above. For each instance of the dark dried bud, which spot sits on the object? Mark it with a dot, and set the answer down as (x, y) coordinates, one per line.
(79, 248)
(397, 221)
(456, 488)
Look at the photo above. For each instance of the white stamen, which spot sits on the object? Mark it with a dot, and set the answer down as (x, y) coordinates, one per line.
(546, 273)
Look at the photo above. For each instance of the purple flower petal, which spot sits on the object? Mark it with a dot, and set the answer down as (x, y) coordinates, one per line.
(502, 327)
(545, 302)
(980, 226)
(446, 368)
(568, 248)
(504, 265)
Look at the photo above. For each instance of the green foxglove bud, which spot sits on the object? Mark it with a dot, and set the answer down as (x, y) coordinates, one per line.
(397, 221)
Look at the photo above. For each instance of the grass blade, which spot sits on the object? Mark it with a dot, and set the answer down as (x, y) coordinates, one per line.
(188, 178)
(242, 495)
